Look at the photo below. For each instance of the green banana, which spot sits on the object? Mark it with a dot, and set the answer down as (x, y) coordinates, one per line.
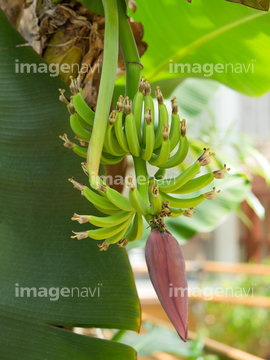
(110, 143)
(84, 111)
(179, 212)
(118, 126)
(182, 150)
(148, 103)
(108, 159)
(119, 236)
(103, 233)
(107, 211)
(201, 181)
(76, 148)
(136, 232)
(175, 212)
(195, 184)
(160, 159)
(175, 125)
(155, 200)
(169, 186)
(116, 198)
(80, 151)
(105, 221)
(131, 132)
(138, 105)
(149, 136)
(85, 125)
(191, 202)
(78, 129)
(135, 198)
(159, 175)
(97, 200)
(163, 118)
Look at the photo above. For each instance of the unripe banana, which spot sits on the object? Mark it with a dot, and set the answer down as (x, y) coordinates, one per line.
(149, 136)
(189, 203)
(106, 221)
(201, 181)
(179, 212)
(169, 186)
(136, 231)
(71, 145)
(103, 233)
(174, 213)
(85, 112)
(97, 200)
(110, 143)
(148, 103)
(107, 211)
(116, 198)
(118, 126)
(155, 200)
(162, 158)
(108, 159)
(137, 106)
(131, 132)
(120, 235)
(175, 125)
(159, 175)
(136, 199)
(163, 118)
(182, 150)
(78, 129)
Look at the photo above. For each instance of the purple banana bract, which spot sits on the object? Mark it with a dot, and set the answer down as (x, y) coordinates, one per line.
(166, 267)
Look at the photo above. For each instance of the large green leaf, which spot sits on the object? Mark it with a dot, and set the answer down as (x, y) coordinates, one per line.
(37, 202)
(206, 32)
(23, 338)
(193, 96)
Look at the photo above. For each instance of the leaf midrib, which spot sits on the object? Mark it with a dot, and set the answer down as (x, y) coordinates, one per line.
(201, 41)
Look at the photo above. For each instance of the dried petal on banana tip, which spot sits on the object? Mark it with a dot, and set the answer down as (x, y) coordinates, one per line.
(220, 174)
(211, 195)
(80, 235)
(120, 103)
(77, 185)
(127, 106)
(82, 219)
(166, 267)
(183, 127)
(104, 246)
(189, 212)
(67, 143)
(74, 85)
(159, 96)
(63, 98)
(174, 105)
(205, 159)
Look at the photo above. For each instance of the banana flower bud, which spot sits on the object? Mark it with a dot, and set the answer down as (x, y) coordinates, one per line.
(166, 267)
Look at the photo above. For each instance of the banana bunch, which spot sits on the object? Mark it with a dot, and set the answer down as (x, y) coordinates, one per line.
(133, 130)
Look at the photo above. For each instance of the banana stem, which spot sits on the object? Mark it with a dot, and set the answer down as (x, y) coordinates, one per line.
(130, 51)
(109, 67)
(141, 177)
(118, 335)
